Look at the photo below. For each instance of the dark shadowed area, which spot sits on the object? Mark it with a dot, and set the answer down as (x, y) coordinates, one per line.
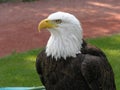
(19, 21)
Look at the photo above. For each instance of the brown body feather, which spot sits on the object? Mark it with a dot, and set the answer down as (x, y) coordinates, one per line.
(90, 70)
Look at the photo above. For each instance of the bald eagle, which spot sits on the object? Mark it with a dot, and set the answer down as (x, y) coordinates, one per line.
(68, 62)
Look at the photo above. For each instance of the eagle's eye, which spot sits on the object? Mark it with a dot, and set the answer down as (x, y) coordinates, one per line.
(58, 21)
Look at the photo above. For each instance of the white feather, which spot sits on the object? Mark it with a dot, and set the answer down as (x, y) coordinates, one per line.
(66, 39)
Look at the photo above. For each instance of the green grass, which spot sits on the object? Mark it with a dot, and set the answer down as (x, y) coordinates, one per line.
(18, 69)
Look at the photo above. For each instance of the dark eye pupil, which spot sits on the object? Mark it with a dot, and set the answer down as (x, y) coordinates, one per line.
(58, 21)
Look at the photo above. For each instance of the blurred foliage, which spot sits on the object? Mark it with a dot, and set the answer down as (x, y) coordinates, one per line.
(1, 1)
(28, 0)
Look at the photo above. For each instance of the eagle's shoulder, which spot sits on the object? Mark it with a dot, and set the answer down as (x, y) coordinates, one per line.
(41, 54)
(96, 69)
(92, 50)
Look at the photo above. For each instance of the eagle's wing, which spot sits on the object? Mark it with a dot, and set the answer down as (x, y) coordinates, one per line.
(97, 73)
(39, 65)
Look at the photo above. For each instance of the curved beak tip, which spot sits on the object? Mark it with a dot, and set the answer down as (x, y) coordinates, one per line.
(39, 27)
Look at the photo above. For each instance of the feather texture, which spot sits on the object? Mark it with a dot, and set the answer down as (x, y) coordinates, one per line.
(90, 70)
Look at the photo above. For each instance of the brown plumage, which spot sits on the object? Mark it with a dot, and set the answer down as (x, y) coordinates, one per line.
(90, 70)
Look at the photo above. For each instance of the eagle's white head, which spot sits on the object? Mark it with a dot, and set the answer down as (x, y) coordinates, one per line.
(66, 35)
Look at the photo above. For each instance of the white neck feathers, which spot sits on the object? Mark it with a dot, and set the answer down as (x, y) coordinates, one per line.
(64, 44)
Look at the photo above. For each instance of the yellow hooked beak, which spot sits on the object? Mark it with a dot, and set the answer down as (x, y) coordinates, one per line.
(46, 23)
